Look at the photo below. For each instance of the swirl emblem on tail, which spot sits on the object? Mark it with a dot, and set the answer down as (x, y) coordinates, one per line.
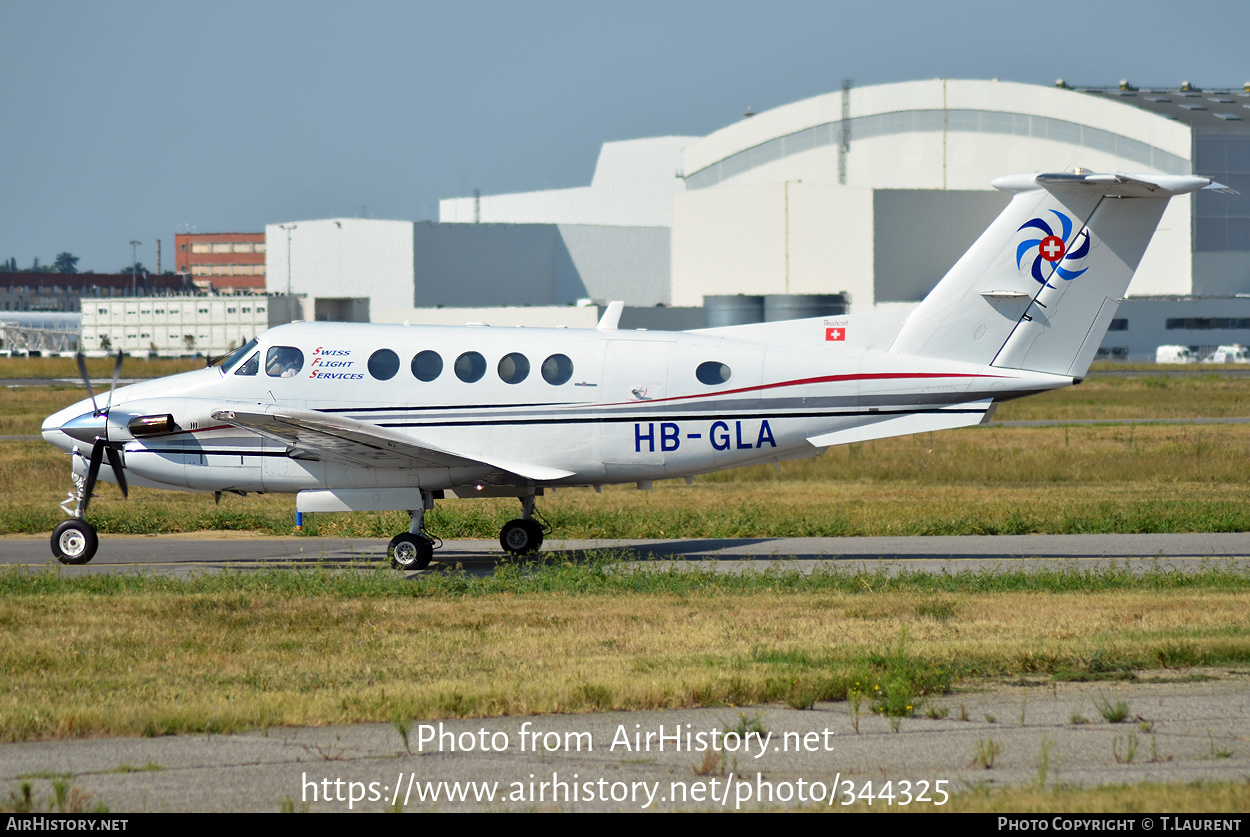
(1051, 248)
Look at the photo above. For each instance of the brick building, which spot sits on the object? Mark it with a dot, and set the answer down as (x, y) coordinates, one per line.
(222, 261)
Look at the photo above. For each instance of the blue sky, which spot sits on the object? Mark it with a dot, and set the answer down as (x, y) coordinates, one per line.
(137, 120)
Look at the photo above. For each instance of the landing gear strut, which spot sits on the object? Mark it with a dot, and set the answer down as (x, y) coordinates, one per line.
(75, 540)
(414, 549)
(523, 535)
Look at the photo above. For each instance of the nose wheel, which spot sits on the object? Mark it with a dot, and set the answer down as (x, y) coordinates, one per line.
(74, 542)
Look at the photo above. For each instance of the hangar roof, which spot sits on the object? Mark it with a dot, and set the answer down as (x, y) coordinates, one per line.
(1205, 110)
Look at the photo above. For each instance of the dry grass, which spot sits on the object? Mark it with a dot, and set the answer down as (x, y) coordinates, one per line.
(81, 664)
(1210, 395)
(97, 367)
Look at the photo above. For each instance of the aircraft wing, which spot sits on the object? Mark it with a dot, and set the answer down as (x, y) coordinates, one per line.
(320, 436)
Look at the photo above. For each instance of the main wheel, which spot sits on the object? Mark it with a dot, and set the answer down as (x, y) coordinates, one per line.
(74, 542)
(521, 537)
(410, 552)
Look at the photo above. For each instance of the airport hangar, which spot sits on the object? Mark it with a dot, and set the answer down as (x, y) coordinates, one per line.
(870, 191)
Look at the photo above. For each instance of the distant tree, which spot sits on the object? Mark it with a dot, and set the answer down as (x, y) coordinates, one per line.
(65, 263)
(105, 343)
(138, 267)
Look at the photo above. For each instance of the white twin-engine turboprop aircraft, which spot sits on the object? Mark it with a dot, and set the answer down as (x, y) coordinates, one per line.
(354, 417)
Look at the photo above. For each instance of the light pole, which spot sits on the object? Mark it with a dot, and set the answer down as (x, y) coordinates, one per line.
(289, 303)
(134, 266)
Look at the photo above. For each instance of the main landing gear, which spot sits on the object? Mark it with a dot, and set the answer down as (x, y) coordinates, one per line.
(523, 535)
(414, 549)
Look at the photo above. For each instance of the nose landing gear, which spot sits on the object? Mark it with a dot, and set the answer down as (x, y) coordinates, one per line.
(75, 540)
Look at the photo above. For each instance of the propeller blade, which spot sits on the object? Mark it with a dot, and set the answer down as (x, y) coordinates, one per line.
(115, 460)
(117, 373)
(93, 471)
(86, 379)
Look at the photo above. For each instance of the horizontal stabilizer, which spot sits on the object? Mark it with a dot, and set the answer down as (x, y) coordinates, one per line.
(962, 415)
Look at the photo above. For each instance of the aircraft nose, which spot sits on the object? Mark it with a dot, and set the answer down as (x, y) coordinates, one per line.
(85, 428)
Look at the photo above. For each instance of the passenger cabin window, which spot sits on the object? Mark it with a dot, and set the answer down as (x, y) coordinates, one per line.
(383, 364)
(250, 367)
(283, 362)
(712, 372)
(557, 370)
(470, 367)
(427, 365)
(514, 368)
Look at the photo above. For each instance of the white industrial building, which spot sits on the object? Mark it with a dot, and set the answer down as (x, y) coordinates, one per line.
(873, 191)
(171, 326)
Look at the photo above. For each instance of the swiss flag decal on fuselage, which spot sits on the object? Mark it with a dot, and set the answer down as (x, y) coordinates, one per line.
(835, 333)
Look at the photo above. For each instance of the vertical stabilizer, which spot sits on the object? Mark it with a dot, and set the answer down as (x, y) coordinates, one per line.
(1038, 289)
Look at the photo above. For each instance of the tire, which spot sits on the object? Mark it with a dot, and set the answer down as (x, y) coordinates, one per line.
(521, 537)
(74, 542)
(410, 552)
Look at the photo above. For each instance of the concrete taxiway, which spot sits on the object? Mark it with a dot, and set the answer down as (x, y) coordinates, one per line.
(180, 555)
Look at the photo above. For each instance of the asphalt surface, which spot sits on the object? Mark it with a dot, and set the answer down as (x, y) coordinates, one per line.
(180, 555)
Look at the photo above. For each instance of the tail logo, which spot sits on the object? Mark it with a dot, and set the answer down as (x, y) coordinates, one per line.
(1051, 248)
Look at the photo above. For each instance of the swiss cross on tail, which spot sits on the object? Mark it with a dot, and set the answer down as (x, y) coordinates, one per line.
(1051, 248)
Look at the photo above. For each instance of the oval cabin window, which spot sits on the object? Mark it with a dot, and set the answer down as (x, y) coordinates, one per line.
(383, 364)
(514, 368)
(557, 370)
(427, 366)
(712, 372)
(470, 367)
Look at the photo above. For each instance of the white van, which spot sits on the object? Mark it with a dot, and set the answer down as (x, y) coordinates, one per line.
(1174, 354)
(1235, 353)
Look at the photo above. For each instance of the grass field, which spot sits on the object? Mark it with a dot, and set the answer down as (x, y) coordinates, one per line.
(97, 367)
(127, 655)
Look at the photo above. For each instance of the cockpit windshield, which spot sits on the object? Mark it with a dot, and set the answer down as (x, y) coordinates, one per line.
(237, 355)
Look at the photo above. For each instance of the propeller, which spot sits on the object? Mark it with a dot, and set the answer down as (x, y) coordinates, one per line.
(100, 449)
